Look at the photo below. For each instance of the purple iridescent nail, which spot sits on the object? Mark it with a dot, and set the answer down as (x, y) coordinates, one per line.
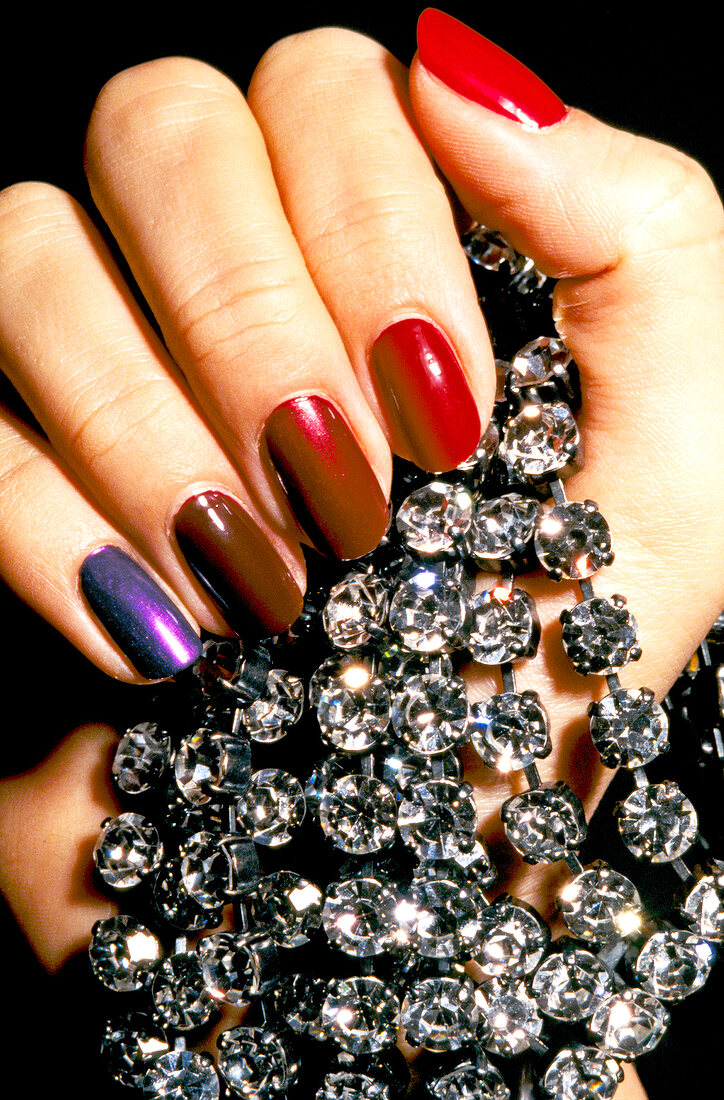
(137, 614)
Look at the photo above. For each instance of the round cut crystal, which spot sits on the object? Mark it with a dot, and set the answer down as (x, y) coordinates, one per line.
(704, 906)
(673, 964)
(480, 1081)
(123, 953)
(600, 636)
(571, 984)
(440, 1013)
(600, 905)
(511, 1020)
(174, 905)
(427, 611)
(209, 762)
(326, 773)
(225, 967)
(629, 1023)
(544, 823)
(360, 917)
(256, 1063)
(446, 914)
(179, 992)
(358, 814)
(541, 440)
(355, 612)
(629, 728)
(360, 1014)
(539, 361)
(128, 1044)
(435, 518)
(353, 710)
(205, 869)
(488, 248)
(657, 822)
(288, 907)
(503, 526)
(127, 850)
(346, 1085)
(481, 457)
(181, 1075)
(438, 818)
(431, 713)
(273, 807)
(514, 939)
(510, 730)
(573, 541)
(502, 625)
(582, 1073)
(278, 707)
(141, 758)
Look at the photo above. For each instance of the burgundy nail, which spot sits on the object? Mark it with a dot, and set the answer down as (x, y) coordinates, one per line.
(425, 394)
(330, 484)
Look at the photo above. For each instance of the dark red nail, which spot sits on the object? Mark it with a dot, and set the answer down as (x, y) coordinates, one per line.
(425, 394)
(237, 565)
(476, 68)
(329, 482)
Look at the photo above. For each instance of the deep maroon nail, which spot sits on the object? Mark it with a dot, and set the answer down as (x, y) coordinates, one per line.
(237, 564)
(140, 618)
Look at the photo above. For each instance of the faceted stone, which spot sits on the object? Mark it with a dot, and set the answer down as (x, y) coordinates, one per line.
(582, 1073)
(179, 992)
(273, 807)
(123, 953)
(128, 1044)
(600, 905)
(278, 707)
(360, 917)
(544, 823)
(514, 939)
(503, 527)
(356, 610)
(673, 964)
(431, 713)
(541, 440)
(629, 1023)
(141, 758)
(127, 850)
(570, 984)
(476, 865)
(326, 773)
(352, 1086)
(288, 907)
(573, 541)
(205, 869)
(447, 913)
(539, 361)
(427, 611)
(256, 1062)
(437, 818)
(353, 710)
(510, 1017)
(510, 730)
(298, 999)
(703, 909)
(360, 1014)
(480, 459)
(488, 248)
(468, 1081)
(352, 669)
(600, 636)
(629, 728)
(440, 1013)
(208, 763)
(402, 768)
(657, 822)
(174, 905)
(182, 1075)
(502, 625)
(225, 967)
(434, 519)
(232, 670)
(358, 814)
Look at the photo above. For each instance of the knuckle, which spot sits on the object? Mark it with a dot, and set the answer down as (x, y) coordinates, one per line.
(682, 207)
(325, 54)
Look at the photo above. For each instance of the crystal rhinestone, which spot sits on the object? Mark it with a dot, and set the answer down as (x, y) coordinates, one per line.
(703, 909)
(599, 635)
(356, 610)
(353, 710)
(299, 1000)
(480, 1081)
(571, 984)
(573, 541)
(544, 823)
(481, 457)
(510, 1017)
(629, 728)
(181, 1075)
(541, 440)
(142, 756)
(434, 519)
(225, 967)
(174, 905)
(427, 611)
(600, 905)
(123, 953)
(476, 865)
(278, 707)
(128, 1045)
(208, 763)
(233, 670)
(440, 1013)
(514, 939)
(127, 850)
(673, 964)
(179, 992)
(358, 814)
(360, 1014)
(582, 1073)
(205, 871)
(352, 1086)
(502, 625)
(324, 776)
(273, 807)
(257, 1063)
(360, 917)
(657, 822)
(488, 248)
(402, 768)
(438, 818)
(629, 1023)
(503, 527)
(288, 907)
(346, 667)
(431, 713)
(510, 730)
(447, 914)
(539, 361)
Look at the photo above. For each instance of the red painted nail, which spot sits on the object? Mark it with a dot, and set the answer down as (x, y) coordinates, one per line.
(476, 68)
(330, 484)
(425, 394)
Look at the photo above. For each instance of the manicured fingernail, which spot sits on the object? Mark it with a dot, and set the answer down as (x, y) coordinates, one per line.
(237, 564)
(476, 68)
(143, 622)
(425, 394)
(330, 484)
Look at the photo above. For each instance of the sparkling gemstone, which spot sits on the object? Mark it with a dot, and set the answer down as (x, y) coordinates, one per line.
(360, 917)
(288, 907)
(446, 919)
(123, 953)
(356, 611)
(279, 706)
(514, 939)
(582, 1073)
(427, 611)
(468, 1081)
(435, 518)
(570, 984)
(179, 992)
(703, 909)
(539, 361)
(544, 823)
(503, 526)
(326, 773)
(208, 763)
(353, 710)
(673, 964)
(600, 905)
(476, 865)
(358, 814)
(629, 1023)
(502, 625)
(350, 668)
(205, 871)
(480, 459)
(273, 807)
(657, 822)
(174, 905)
(402, 768)
(510, 1016)
(299, 1000)
(233, 671)
(440, 1013)
(438, 818)
(257, 1063)
(127, 850)
(541, 440)
(225, 967)
(488, 248)
(142, 756)
(573, 541)
(181, 1075)
(431, 713)
(346, 1085)
(599, 635)
(629, 728)
(128, 1045)
(510, 730)
(360, 1014)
